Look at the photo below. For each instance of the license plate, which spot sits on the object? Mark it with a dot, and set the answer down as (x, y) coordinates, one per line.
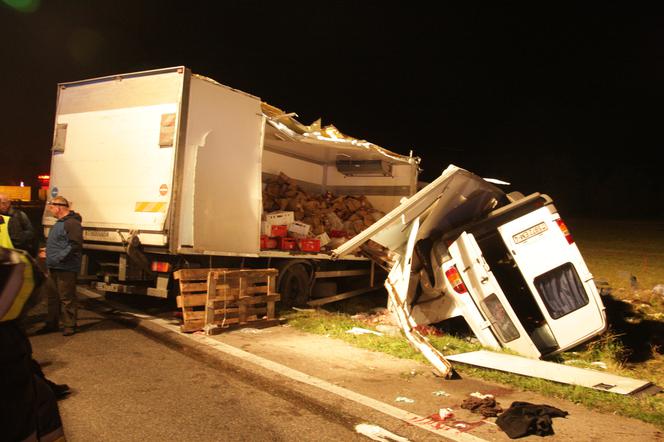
(535, 230)
(96, 234)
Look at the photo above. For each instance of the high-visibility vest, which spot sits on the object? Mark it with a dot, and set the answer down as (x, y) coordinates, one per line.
(22, 283)
(5, 240)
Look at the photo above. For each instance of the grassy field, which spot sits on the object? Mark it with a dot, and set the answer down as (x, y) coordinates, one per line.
(628, 257)
(617, 250)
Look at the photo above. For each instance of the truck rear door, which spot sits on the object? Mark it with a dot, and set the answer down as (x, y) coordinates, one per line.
(489, 297)
(556, 274)
(114, 152)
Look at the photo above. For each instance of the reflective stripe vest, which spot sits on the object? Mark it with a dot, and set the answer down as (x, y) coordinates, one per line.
(17, 287)
(5, 240)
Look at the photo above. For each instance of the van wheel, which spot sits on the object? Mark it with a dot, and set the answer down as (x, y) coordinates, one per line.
(294, 286)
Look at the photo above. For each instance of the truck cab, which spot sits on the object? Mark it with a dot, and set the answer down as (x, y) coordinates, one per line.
(506, 263)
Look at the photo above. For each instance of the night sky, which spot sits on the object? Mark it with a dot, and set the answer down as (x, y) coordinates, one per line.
(564, 101)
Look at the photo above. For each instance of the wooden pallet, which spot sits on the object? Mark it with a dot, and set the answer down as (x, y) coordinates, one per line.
(215, 300)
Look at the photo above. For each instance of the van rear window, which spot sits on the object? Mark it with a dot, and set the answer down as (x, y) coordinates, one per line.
(499, 318)
(561, 290)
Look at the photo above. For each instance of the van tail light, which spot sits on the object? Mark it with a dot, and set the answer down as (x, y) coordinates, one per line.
(160, 266)
(454, 278)
(565, 230)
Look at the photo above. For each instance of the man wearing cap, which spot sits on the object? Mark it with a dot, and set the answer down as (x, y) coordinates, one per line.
(64, 247)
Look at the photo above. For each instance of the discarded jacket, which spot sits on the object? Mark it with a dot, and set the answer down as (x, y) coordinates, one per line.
(524, 418)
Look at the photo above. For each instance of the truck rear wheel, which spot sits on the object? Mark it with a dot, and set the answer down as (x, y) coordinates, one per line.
(294, 285)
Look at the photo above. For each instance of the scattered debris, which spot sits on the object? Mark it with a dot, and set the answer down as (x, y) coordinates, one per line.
(389, 330)
(374, 432)
(249, 330)
(460, 425)
(445, 413)
(440, 393)
(298, 309)
(363, 331)
(599, 364)
(484, 404)
(377, 316)
(479, 395)
(658, 289)
(428, 330)
(404, 399)
(524, 418)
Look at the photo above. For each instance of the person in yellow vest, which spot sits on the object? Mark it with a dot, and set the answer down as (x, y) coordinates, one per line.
(5, 240)
(28, 405)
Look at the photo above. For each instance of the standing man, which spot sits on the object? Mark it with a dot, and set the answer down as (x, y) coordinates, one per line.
(64, 246)
(21, 231)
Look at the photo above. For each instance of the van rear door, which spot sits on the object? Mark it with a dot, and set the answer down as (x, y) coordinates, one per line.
(489, 297)
(556, 274)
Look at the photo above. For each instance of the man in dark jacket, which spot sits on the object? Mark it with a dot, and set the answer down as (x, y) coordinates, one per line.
(64, 247)
(21, 231)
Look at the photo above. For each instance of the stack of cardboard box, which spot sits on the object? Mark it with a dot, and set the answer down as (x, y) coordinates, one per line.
(315, 222)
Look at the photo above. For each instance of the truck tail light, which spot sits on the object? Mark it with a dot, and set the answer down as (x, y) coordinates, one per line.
(565, 230)
(454, 278)
(160, 266)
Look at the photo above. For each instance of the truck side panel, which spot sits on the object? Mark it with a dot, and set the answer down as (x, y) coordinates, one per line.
(224, 128)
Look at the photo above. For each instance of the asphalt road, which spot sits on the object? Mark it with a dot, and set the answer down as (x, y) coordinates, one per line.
(129, 386)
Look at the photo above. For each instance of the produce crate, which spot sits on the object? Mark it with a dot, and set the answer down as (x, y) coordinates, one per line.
(309, 244)
(287, 243)
(218, 298)
(269, 243)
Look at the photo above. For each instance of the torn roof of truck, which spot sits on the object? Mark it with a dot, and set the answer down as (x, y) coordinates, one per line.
(293, 136)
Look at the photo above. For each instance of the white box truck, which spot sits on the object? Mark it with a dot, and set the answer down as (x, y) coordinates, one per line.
(506, 263)
(167, 169)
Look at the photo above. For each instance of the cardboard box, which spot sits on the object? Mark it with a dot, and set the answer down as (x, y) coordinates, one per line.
(272, 230)
(281, 218)
(299, 230)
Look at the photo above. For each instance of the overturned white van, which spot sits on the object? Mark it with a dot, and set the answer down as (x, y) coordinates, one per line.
(505, 262)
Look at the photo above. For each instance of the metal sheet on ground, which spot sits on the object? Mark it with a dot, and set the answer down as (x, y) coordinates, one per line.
(552, 371)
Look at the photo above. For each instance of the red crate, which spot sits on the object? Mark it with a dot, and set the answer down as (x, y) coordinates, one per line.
(337, 233)
(278, 231)
(309, 244)
(286, 243)
(268, 243)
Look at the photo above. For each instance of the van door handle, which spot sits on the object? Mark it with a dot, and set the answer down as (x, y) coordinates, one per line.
(484, 279)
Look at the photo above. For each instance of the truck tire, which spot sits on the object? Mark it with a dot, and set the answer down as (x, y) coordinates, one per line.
(294, 285)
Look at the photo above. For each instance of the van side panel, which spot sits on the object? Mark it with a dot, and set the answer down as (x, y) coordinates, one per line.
(225, 129)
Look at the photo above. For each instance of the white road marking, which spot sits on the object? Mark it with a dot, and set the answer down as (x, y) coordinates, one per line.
(425, 423)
